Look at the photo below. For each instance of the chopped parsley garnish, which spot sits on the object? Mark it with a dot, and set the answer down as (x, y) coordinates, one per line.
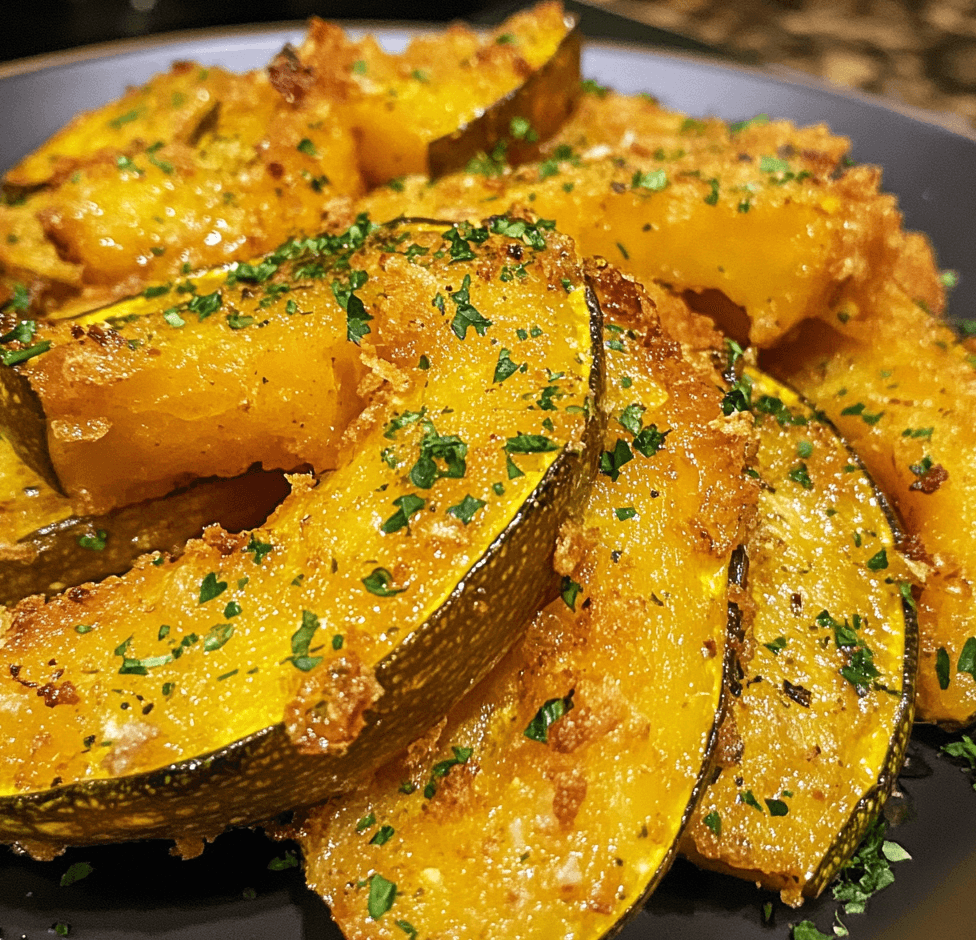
(217, 636)
(550, 712)
(211, 588)
(379, 582)
(569, 591)
(406, 506)
(505, 366)
(521, 129)
(654, 181)
(94, 543)
(625, 512)
(466, 315)
(382, 835)
(746, 796)
(967, 658)
(529, 444)
(203, 305)
(799, 474)
(301, 640)
(76, 872)
(260, 549)
(12, 357)
(878, 561)
(466, 509)
(714, 822)
(449, 449)
(382, 893)
(288, 860)
(611, 461)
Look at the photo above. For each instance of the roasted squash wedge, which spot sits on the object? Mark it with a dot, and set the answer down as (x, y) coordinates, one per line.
(270, 669)
(196, 168)
(908, 405)
(817, 731)
(201, 166)
(696, 204)
(549, 803)
(448, 96)
(200, 378)
(44, 548)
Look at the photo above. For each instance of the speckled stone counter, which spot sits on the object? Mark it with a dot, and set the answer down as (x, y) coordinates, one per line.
(919, 52)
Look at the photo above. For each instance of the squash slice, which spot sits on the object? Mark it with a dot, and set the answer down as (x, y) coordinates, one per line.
(907, 404)
(44, 548)
(447, 96)
(271, 668)
(201, 166)
(817, 732)
(549, 803)
(695, 204)
(199, 378)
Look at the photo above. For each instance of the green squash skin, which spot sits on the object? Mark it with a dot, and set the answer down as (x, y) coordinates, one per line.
(260, 776)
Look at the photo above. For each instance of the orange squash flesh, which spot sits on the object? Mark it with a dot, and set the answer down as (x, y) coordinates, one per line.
(203, 378)
(811, 752)
(45, 549)
(269, 669)
(485, 831)
(201, 166)
(695, 204)
(908, 407)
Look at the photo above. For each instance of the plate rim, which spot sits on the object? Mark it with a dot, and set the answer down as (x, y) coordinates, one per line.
(780, 74)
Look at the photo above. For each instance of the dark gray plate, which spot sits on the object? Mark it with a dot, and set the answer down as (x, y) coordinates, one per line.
(139, 891)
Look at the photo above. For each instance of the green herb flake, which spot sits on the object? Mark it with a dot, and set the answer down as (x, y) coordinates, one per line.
(466, 315)
(466, 509)
(799, 474)
(211, 588)
(382, 836)
(611, 461)
(654, 181)
(569, 591)
(288, 860)
(521, 129)
(366, 822)
(260, 550)
(878, 561)
(217, 636)
(550, 712)
(379, 582)
(714, 822)
(301, 640)
(746, 796)
(94, 543)
(777, 807)
(406, 506)
(76, 872)
(807, 930)
(967, 658)
(776, 646)
(529, 444)
(382, 893)
(625, 513)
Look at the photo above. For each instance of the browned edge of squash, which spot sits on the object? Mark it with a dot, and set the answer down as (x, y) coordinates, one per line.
(545, 100)
(52, 559)
(871, 803)
(262, 775)
(738, 572)
(24, 424)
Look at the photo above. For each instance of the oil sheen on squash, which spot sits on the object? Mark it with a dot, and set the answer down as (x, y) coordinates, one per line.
(267, 669)
(195, 378)
(817, 732)
(200, 166)
(696, 204)
(908, 406)
(550, 801)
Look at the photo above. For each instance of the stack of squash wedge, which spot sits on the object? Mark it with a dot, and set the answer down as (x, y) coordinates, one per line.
(398, 493)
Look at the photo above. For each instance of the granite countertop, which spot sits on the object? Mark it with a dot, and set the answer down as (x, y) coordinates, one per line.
(918, 52)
